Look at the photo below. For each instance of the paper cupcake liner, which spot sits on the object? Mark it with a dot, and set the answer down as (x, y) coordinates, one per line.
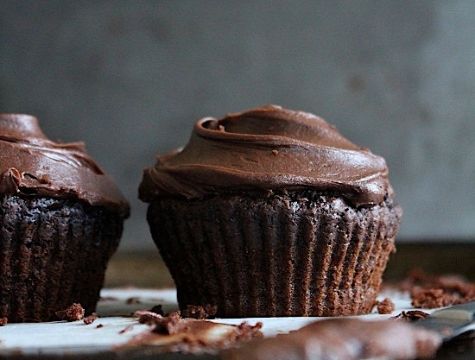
(278, 256)
(52, 253)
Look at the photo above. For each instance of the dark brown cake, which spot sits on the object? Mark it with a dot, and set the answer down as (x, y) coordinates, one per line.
(61, 220)
(281, 255)
(272, 212)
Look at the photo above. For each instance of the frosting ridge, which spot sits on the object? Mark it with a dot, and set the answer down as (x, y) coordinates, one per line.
(31, 164)
(268, 148)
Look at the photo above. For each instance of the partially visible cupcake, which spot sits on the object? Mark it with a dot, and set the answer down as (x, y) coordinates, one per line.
(61, 220)
(272, 212)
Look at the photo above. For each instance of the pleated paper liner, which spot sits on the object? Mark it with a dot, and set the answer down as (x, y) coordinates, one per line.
(52, 253)
(276, 256)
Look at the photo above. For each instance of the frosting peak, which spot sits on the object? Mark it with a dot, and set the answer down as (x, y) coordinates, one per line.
(268, 148)
(31, 164)
(20, 127)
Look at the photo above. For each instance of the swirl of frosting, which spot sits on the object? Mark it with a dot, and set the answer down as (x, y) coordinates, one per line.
(268, 148)
(31, 164)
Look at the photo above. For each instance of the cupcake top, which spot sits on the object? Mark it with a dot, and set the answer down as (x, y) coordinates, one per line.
(268, 148)
(33, 165)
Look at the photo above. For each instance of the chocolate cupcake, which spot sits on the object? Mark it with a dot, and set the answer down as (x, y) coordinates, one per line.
(61, 220)
(272, 212)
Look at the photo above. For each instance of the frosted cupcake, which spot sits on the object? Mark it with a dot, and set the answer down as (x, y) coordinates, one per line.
(61, 220)
(272, 212)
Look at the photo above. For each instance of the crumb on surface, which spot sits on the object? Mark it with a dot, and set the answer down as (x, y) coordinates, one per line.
(90, 319)
(147, 317)
(157, 309)
(99, 326)
(73, 313)
(386, 306)
(126, 329)
(190, 335)
(430, 291)
(3, 321)
(411, 316)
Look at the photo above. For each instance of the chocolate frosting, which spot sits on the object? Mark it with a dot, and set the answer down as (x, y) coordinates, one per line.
(268, 148)
(31, 164)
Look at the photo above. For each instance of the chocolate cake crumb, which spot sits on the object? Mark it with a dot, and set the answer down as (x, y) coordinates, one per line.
(157, 309)
(429, 291)
(147, 317)
(99, 326)
(248, 332)
(411, 316)
(90, 319)
(200, 312)
(177, 334)
(170, 325)
(73, 313)
(385, 306)
(127, 328)
(132, 300)
(3, 321)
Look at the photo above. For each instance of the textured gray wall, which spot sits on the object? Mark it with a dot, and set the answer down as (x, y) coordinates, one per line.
(131, 77)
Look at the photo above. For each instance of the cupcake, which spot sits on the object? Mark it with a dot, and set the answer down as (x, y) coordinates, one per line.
(272, 212)
(61, 220)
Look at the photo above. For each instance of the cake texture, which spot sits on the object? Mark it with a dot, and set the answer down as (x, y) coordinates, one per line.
(271, 212)
(61, 219)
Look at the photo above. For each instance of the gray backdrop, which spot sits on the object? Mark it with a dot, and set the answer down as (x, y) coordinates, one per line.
(131, 77)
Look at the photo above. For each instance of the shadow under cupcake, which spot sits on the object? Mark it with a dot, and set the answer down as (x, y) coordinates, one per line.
(61, 219)
(272, 212)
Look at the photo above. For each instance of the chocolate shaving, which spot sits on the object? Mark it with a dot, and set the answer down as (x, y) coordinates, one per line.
(411, 316)
(385, 306)
(73, 313)
(3, 321)
(90, 319)
(200, 312)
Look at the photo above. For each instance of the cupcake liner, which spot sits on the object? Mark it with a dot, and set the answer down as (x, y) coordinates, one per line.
(283, 255)
(52, 253)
